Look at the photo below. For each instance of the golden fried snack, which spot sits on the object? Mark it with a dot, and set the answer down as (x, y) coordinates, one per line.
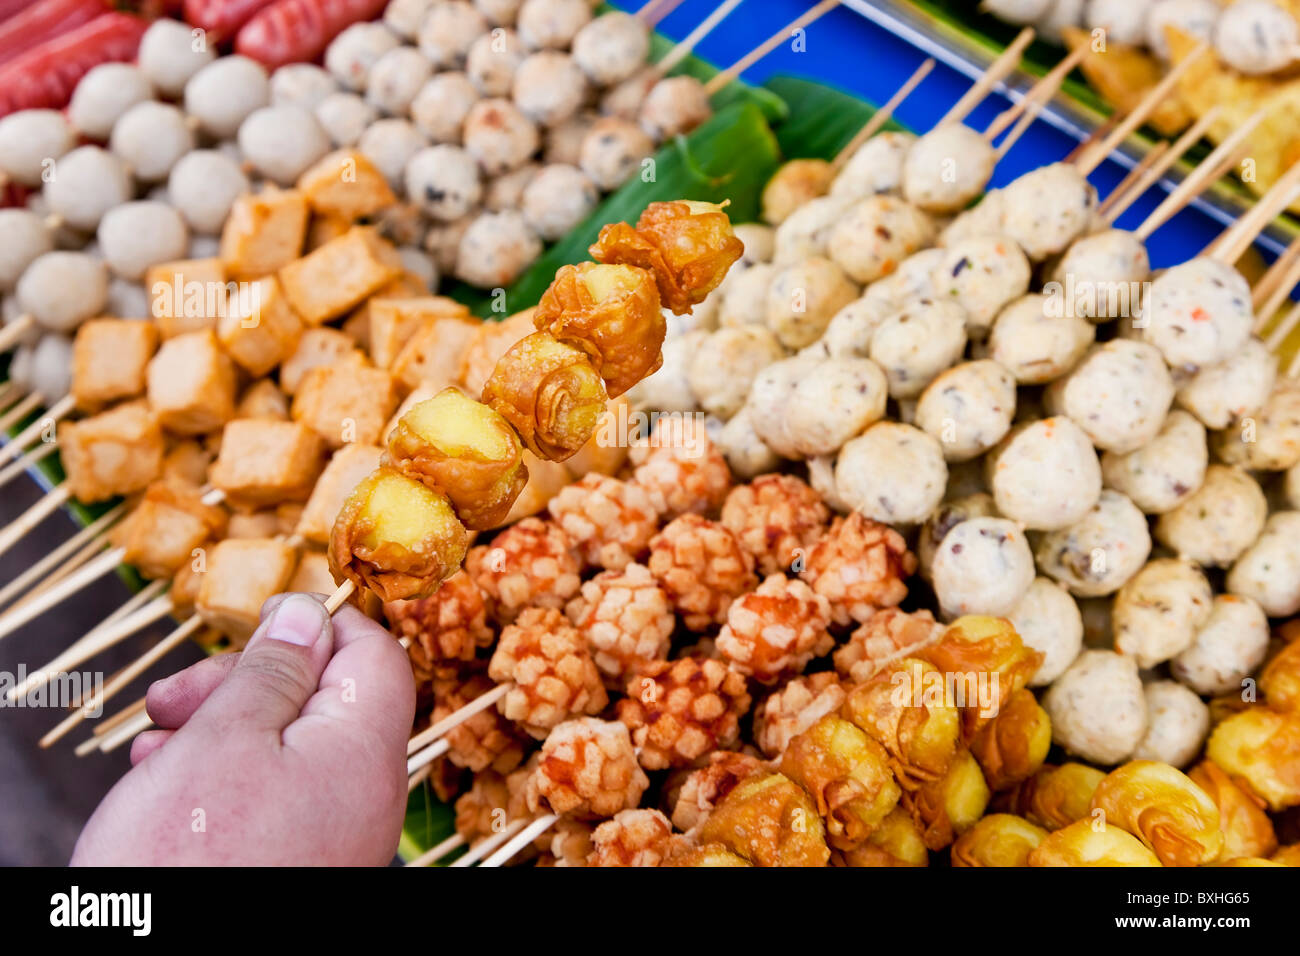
(466, 450)
(634, 838)
(711, 854)
(1280, 678)
(1160, 806)
(677, 711)
(549, 392)
(948, 807)
(1013, 745)
(903, 709)
(1261, 746)
(700, 791)
(161, 533)
(770, 821)
(612, 313)
(688, 246)
(487, 739)
(895, 842)
(777, 519)
(848, 775)
(1080, 844)
(397, 537)
(797, 182)
(999, 839)
(1247, 829)
(587, 769)
(1054, 797)
(883, 638)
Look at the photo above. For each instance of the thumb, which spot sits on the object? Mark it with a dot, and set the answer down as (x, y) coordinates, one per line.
(278, 671)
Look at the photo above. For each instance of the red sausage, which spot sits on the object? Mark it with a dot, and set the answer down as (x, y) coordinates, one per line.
(222, 18)
(294, 31)
(46, 76)
(44, 21)
(9, 8)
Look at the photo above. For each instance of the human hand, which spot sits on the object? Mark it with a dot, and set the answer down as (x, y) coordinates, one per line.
(291, 752)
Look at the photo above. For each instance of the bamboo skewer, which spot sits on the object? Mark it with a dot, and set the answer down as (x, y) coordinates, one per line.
(439, 850)
(1284, 328)
(107, 724)
(427, 756)
(18, 412)
(1281, 277)
(767, 46)
(23, 439)
(14, 331)
(480, 850)
(687, 44)
(1280, 294)
(482, 702)
(417, 778)
(87, 574)
(124, 734)
(1033, 101)
(94, 534)
(1191, 136)
(1134, 175)
(882, 115)
(17, 529)
(527, 836)
(655, 10)
(37, 454)
(1229, 247)
(990, 78)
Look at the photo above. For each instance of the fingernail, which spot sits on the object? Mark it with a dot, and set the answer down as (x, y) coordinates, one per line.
(298, 620)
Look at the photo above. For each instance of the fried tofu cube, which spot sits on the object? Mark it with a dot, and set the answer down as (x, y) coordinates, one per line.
(345, 403)
(187, 463)
(263, 399)
(313, 574)
(254, 524)
(321, 229)
(357, 324)
(117, 452)
(316, 348)
(186, 582)
(265, 462)
(161, 534)
(242, 574)
(259, 329)
(346, 469)
(187, 295)
(393, 321)
(345, 184)
(335, 278)
(264, 232)
(192, 384)
(434, 352)
(109, 359)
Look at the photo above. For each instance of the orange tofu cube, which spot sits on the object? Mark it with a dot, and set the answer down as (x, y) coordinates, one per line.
(263, 399)
(161, 534)
(187, 295)
(242, 574)
(345, 184)
(254, 524)
(345, 403)
(434, 352)
(109, 359)
(259, 329)
(117, 452)
(318, 347)
(264, 462)
(313, 575)
(321, 229)
(492, 341)
(186, 582)
(264, 232)
(335, 278)
(187, 463)
(192, 384)
(349, 465)
(393, 321)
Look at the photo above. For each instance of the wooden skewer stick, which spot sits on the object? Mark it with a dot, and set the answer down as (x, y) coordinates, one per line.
(17, 529)
(1293, 370)
(9, 391)
(124, 734)
(655, 10)
(439, 850)
(1246, 230)
(106, 725)
(13, 332)
(37, 454)
(687, 44)
(529, 834)
(480, 850)
(173, 640)
(29, 434)
(1276, 276)
(1284, 328)
(1034, 98)
(417, 778)
(90, 533)
(767, 46)
(1191, 136)
(997, 71)
(20, 411)
(88, 573)
(426, 756)
(1131, 178)
(479, 703)
(881, 116)
(72, 564)
(340, 595)
(1268, 308)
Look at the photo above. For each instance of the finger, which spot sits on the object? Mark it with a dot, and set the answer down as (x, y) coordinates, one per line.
(147, 742)
(173, 700)
(277, 673)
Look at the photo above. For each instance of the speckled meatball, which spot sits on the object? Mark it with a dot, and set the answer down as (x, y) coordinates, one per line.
(557, 199)
(1177, 724)
(26, 238)
(168, 56)
(949, 514)
(1035, 346)
(345, 117)
(875, 234)
(137, 235)
(982, 275)
(1198, 313)
(301, 84)
(1196, 18)
(1228, 647)
(447, 32)
(669, 390)
(875, 167)
(1268, 440)
(1291, 487)
(1048, 620)
(549, 87)
(1221, 395)
(982, 566)
(1218, 521)
(725, 364)
(203, 186)
(892, 473)
(612, 151)
(499, 136)
(1159, 610)
(1118, 394)
(747, 454)
(1100, 274)
(492, 61)
(495, 249)
(443, 181)
(1256, 36)
(1123, 20)
(914, 279)
(225, 91)
(1048, 208)
(851, 329)
(1098, 707)
(282, 141)
(836, 400)
(552, 24)
(507, 190)
(1164, 472)
(946, 168)
(914, 345)
(1269, 570)
(968, 408)
(1097, 554)
(396, 78)
(744, 295)
(611, 47)
(769, 397)
(150, 137)
(105, 93)
(805, 232)
(982, 219)
(1045, 474)
(673, 107)
(803, 297)
(353, 52)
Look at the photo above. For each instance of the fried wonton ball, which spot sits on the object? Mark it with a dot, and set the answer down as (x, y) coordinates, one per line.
(1054, 797)
(1261, 746)
(999, 839)
(948, 807)
(768, 820)
(1013, 745)
(1080, 844)
(895, 842)
(1164, 809)
(1247, 829)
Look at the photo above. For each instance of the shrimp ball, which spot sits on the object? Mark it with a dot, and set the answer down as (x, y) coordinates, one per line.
(851, 328)
(345, 117)
(1221, 395)
(501, 12)
(744, 296)
(49, 369)
(876, 234)
(492, 61)
(507, 190)
(1034, 346)
(1198, 313)
(875, 167)
(301, 84)
(1163, 473)
(982, 274)
(1268, 440)
(390, 144)
(792, 185)
(1177, 724)
(32, 140)
(1196, 18)
(563, 143)
(1269, 570)
(404, 17)
(835, 401)
(203, 185)
(103, 95)
(1123, 20)
(496, 247)
(25, 237)
(946, 168)
(150, 137)
(551, 24)
(549, 87)
(1017, 11)
(725, 364)
(950, 513)
(745, 452)
(63, 289)
(1158, 611)
(914, 345)
(1218, 521)
(1229, 646)
(222, 94)
(1098, 707)
(968, 408)
(89, 182)
(759, 241)
(624, 99)
(170, 53)
(396, 78)
(674, 106)
(557, 199)
(443, 181)
(1045, 474)
(442, 242)
(611, 47)
(441, 105)
(354, 51)
(1100, 275)
(1097, 554)
(1119, 395)
(912, 280)
(770, 396)
(1047, 209)
(1256, 36)
(803, 297)
(805, 232)
(1048, 620)
(982, 566)
(892, 473)
(137, 235)
(668, 390)
(129, 300)
(282, 141)
(499, 136)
